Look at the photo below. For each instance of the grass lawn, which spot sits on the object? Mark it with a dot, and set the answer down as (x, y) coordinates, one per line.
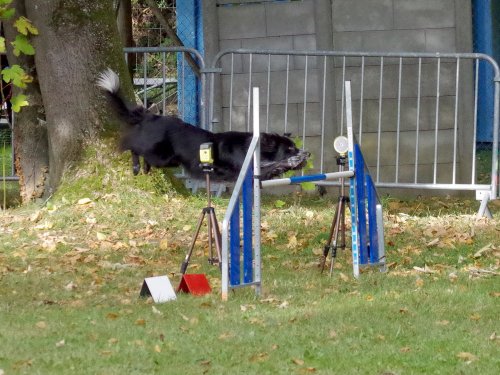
(71, 272)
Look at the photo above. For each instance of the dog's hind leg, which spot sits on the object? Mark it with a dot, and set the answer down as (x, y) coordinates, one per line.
(146, 167)
(136, 164)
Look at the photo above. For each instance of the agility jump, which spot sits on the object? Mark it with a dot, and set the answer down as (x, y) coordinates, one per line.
(241, 264)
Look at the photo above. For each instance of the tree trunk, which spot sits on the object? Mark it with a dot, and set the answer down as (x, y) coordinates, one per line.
(30, 134)
(124, 23)
(77, 40)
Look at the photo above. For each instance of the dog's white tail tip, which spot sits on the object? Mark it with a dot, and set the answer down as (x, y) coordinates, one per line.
(109, 81)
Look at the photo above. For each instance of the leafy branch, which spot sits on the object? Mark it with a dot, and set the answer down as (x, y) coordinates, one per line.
(15, 75)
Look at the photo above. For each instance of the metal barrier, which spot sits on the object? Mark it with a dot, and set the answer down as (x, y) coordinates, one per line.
(416, 115)
(170, 75)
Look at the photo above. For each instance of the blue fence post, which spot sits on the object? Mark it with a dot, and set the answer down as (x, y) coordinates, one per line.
(483, 43)
(190, 32)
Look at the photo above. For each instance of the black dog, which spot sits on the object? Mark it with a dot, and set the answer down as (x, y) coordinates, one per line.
(166, 141)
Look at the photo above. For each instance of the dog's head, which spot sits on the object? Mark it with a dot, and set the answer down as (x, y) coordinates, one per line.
(279, 155)
(274, 147)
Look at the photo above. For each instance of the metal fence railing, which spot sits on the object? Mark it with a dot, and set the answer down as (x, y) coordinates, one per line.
(161, 75)
(415, 113)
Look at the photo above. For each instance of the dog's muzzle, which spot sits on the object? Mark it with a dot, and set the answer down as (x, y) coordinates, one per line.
(272, 169)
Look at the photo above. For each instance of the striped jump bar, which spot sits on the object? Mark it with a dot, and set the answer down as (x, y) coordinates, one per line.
(307, 178)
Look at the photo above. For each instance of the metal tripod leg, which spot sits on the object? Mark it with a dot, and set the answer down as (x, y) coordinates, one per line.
(190, 251)
(213, 230)
(338, 227)
(217, 237)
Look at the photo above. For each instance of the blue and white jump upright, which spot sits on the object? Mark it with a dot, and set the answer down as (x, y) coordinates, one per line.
(241, 264)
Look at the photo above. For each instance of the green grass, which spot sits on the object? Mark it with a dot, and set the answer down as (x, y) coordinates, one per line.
(71, 272)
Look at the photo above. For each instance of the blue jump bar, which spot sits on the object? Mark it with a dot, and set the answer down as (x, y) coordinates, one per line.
(307, 178)
(310, 178)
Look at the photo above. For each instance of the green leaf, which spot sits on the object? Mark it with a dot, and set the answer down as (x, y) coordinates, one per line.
(298, 142)
(5, 2)
(2, 44)
(16, 75)
(279, 203)
(24, 26)
(18, 101)
(22, 45)
(6, 13)
(308, 186)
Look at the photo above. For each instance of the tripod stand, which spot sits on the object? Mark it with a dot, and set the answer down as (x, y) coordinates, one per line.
(338, 224)
(212, 227)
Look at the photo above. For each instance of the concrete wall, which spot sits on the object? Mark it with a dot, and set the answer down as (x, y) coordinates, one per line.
(344, 25)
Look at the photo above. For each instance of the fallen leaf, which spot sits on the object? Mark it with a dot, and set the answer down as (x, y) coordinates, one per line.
(443, 322)
(483, 250)
(36, 216)
(101, 236)
(475, 317)
(164, 244)
(60, 343)
(297, 361)
(405, 349)
(157, 348)
(343, 277)
(283, 305)
(434, 242)
(424, 270)
(419, 283)
(466, 356)
(247, 307)
(71, 286)
(225, 335)
(112, 316)
(494, 336)
(83, 201)
(292, 242)
(156, 311)
(41, 325)
(259, 357)
(140, 322)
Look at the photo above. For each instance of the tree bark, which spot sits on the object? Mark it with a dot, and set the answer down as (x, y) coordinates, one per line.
(77, 40)
(30, 134)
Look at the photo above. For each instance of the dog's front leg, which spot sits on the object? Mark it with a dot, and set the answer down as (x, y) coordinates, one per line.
(136, 164)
